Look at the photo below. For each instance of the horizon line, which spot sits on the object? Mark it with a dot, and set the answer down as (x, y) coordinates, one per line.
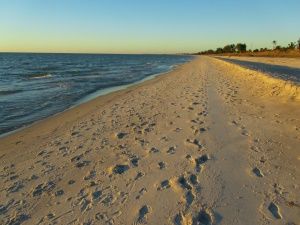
(91, 53)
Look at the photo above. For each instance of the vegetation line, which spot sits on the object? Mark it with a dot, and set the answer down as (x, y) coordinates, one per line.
(291, 50)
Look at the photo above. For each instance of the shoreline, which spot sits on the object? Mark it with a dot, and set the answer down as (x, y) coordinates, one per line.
(206, 143)
(87, 104)
(90, 97)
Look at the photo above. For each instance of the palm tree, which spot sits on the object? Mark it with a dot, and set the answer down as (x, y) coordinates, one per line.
(274, 44)
(292, 45)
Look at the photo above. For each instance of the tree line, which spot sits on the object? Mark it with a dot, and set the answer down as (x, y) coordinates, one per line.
(227, 49)
(240, 48)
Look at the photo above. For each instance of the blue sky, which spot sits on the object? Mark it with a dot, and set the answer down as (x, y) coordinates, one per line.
(143, 26)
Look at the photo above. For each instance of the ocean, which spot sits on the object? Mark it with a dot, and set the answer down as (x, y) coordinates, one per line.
(35, 86)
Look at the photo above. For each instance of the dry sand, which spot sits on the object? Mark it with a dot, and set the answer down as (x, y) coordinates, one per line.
(280, 61)
(209, 143)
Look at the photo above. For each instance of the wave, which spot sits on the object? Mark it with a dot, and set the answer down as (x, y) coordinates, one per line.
(64, 85)
(39, 76)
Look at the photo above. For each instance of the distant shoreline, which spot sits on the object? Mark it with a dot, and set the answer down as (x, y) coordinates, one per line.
(270, 53)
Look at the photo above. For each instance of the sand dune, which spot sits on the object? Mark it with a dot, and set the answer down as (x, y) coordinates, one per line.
(280, 61)
(209, 143)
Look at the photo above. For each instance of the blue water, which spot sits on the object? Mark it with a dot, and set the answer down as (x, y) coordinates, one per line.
(36, 86)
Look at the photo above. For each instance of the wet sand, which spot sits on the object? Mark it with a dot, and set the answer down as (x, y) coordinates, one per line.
(208, 143)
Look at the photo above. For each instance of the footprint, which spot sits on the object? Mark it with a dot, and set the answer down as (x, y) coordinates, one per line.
(154, 150)
(164, 185)
(201, 159)
(234, 122)
(135, 162)
(41, 188)
(184, 183)
(180, 219)
(274, 210)
(58, 193)
(121, 135)
(139, 175)
(189, 198)
(202, 129)
(177, 129)
(263, 159)
(96, 195)
(171, 150)
(120, 169)
(194, 179)
(162, 165)
(141, 192)
(90, 175)
(146, 209)
(203, 218)
(18, 219)
(82, 164)
(257, 172)
(77, 158)
(195, 142)
(47, 217)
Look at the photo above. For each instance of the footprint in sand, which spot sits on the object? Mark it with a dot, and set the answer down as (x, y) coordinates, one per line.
(257, 172)
(121, 135)
(146, 209)
(76, 158)
(202, 129)
(47, 217)
(82, 164)
(154, 150)
(274, 210)
(195, 142)
(171, 150)
(180, 219)
(18, 219)
(203, 218)
(141, 192)
(139, 175)
(190, 197)
(184, 184)
(91, 174)
(164, 185)
(194, 179)
(120, 169)
(200, 160)
(135, 161)
(161, 165)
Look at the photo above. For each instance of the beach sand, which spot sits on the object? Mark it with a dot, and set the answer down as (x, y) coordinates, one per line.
(280, 61)
(208, 143)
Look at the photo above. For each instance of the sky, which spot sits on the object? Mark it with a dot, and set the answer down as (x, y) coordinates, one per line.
(145, 26)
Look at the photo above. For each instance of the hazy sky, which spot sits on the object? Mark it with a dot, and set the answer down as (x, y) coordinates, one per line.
(145, 26)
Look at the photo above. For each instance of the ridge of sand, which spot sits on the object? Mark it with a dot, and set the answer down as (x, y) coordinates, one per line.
(280, 61)
(196, 146)
(263, 85)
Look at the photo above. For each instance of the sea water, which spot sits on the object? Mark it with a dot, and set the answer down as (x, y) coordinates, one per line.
(35, 86)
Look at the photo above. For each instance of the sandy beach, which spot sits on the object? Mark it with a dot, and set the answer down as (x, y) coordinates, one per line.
(280, 61)
(208, 143)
